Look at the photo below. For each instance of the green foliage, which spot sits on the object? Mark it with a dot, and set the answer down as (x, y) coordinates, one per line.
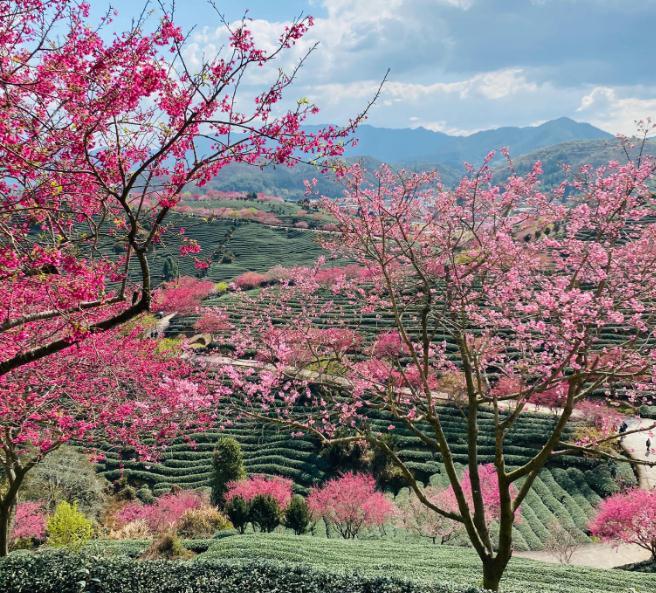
(301, 565)
(123, 490)
(648, 412)
(68, 527)
(265, 513)
(297, 515)
(66, 474)
(67, 573)
(228, 466)
(145, 495)
(170, 269)
(238, 511)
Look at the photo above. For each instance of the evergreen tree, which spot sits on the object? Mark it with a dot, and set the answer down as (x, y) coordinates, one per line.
(170, 270)
(228, 466)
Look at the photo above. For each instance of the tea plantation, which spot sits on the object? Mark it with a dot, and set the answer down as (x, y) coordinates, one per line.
(301, 564)
(567, 493)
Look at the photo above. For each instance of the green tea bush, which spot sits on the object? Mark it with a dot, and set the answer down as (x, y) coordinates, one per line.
(68, 573)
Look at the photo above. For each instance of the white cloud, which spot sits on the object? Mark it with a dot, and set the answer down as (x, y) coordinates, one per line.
(616, 110)
(433, 76)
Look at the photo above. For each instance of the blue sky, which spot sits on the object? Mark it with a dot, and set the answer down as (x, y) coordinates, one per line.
(458, 66)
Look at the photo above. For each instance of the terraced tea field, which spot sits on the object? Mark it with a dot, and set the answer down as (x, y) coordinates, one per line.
(567, 492)
(252, 247)
(423, 563)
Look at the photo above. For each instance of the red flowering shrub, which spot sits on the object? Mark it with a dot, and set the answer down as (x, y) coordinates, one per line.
(350, 503)
(183, 295)
(249, 280)
(630, 518)
(280, 489)
(29, 522)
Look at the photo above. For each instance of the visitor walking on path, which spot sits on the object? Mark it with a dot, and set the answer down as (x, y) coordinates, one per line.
(648, 443)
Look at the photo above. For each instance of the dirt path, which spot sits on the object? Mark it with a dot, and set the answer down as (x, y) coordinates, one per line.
(636, 446)
(163, 323)
(595, 555)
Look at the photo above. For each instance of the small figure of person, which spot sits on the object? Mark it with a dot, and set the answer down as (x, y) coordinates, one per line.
(623, 427)
(648, 443)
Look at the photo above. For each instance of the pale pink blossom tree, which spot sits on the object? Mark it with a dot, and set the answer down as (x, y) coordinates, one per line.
(525, 320)
(350, 503)
(417, 518)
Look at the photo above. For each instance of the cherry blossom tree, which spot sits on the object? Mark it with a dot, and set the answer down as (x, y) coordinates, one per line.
(480, 317)
(417, 518)
(280, 489)
(99, 135)
(628, 517)
(116, 389)
(30, 522)
(165, 512)
(350, 503)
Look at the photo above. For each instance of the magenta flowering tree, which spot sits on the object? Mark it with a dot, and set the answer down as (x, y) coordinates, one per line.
(99, 135)
(30, 522)
(350, 503)
(280, 489)
(628, 517)
(487, 314)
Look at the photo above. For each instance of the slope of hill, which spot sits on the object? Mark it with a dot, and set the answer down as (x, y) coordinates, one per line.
(575, 154)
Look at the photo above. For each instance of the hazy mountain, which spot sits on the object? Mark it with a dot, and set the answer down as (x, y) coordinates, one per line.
(418, 145)
(554, 142)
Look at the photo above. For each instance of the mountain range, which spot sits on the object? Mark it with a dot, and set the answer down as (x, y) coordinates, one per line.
(554, 143)
(419, 145)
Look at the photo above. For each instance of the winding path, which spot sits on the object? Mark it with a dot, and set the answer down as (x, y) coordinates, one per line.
(595, 555)
(635, 445)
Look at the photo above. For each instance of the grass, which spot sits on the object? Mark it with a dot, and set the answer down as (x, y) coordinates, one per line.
(423, 562)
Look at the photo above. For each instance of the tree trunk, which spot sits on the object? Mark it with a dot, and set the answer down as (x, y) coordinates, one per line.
(6, 513)
(493, 569)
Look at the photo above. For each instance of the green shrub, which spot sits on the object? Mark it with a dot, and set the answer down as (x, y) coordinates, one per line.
(145, 495)
(238, 511)
(228, 466)
(648, 412)
(265, 513)
(68, 527)
(297, 515)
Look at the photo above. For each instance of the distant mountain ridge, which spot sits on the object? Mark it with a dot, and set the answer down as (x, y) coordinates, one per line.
(419, 145)
(553, 142)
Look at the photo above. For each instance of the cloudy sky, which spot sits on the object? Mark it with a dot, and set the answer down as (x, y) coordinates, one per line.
(458, 66)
